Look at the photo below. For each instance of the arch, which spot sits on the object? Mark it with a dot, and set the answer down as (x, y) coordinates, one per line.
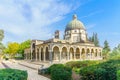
(56, 53)
(55, 46)
(42, 54)
(33, 55)
(77, 53)
(46, 53)
(64, 53)
(71, 51)
(83, 53)
(88, 55)
(92, 50)
(96, 51)
(37, 54)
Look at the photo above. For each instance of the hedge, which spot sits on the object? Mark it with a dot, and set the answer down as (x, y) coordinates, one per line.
(60, 72)
(80, 64)
(103, 71)
(13, 74)
(118, 75)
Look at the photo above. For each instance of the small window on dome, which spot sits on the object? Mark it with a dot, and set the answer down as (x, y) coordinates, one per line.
(75, 30)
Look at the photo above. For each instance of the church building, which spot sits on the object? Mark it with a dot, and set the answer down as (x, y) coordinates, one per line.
(74, 46)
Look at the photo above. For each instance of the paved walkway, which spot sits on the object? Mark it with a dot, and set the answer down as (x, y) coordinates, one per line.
(1, 66)
(32, 73)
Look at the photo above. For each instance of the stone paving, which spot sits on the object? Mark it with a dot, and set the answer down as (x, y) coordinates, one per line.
(32, 73)
(1, 66)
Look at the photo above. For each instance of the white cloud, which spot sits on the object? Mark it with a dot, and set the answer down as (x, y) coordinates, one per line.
(90, 26)
(23, 19)
(92, 13)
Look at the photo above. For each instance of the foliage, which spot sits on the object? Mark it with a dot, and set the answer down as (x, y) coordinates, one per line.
(103, 71)
(54, 66)
(1, 38)
(12, 48)
(115, 53)
(23, 45)
(94, 39)
(106, 50)
(80, 64)
(60, 72)
(118, 75)
(1, 35)
(13, 74)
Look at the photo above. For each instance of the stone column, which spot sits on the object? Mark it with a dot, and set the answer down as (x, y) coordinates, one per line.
(74, 55)
(31, 54)
(60, 54)
(36, 53)
(90, 54)
(39, 54)
(80, 54)
(50, 56)
(44, 56)
(68, 55)
(85, 54)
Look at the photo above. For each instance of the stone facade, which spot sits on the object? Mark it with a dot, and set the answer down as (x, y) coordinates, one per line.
(74, 46)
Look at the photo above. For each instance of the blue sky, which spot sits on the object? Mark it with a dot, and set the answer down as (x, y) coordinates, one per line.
(38, 19)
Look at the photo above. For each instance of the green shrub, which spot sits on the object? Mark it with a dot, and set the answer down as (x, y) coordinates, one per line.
(80, 64)
(118, 75)
(103, 71)
(100, 74)
(13, 74)
(60, 72)
(54, 66)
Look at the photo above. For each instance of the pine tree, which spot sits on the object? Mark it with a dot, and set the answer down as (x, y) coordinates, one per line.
(1, 38)
(1, 35)
(94, 39)
(106, 50)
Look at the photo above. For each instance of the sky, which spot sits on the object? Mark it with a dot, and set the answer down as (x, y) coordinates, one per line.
(38, 19)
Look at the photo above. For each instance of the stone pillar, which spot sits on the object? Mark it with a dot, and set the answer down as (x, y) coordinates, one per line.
(60, 55)
(85, 54)
(39, 54)
(31, 55)
(80, 54)
(44, 56)
(68, 56)
(90, 54)
(36, 53)
(50, 56)
(74, 55)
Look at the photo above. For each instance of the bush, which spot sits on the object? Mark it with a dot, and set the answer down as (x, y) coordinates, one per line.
(118, 75)
(60, 72)
(13, 74)
(19, 58)
(103, 71)
(54, 66)
(80, 64)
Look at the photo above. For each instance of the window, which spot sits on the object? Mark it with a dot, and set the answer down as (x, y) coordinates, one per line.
(75, 31)
(75, 38)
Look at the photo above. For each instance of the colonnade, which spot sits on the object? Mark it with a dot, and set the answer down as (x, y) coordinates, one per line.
(64, 53)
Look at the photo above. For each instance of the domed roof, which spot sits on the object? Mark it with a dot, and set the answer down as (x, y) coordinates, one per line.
(74, 24)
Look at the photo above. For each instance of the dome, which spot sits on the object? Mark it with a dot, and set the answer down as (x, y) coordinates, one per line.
(74, 24)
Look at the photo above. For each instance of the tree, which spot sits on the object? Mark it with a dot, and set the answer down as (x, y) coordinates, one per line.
(106, 50)
(94, 39)
(24, 45)
(12, 49)
(1, 35)
(1, 38)
(115, 52)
